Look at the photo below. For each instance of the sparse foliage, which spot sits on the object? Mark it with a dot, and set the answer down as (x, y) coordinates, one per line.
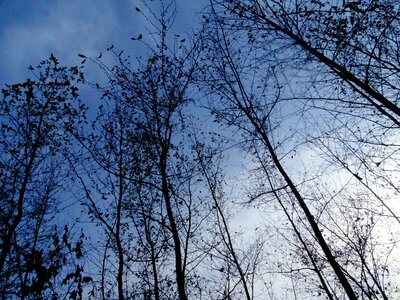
(305, 92)
(36, 117)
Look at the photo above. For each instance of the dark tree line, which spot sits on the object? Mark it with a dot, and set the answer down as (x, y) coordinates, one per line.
(304, 92)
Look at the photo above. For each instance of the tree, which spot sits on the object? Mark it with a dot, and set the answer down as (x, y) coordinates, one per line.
(36, 117)
(144, 166)
(255, 47)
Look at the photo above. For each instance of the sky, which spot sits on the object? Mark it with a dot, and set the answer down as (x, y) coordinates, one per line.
(30, 30)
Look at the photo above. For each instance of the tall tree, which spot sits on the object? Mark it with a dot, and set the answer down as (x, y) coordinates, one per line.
(139, 144)
(261, 53)
(36, 117)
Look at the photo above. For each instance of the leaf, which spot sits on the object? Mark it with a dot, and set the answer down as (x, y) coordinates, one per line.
(140, 37)
(87, 279)
(81, 55)
(137, 9)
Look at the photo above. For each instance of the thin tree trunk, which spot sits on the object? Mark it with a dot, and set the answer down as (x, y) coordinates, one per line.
(246, 106)
(118, 221)
(180, 276)
(6, 243)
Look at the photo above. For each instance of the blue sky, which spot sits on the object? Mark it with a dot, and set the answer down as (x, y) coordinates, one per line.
(32, 29)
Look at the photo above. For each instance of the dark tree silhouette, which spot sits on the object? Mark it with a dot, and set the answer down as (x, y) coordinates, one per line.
(306, 89)
(36, 117)
(258, 56)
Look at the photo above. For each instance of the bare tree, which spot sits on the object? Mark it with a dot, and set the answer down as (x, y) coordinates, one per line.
(275, 64)
(144, 164)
